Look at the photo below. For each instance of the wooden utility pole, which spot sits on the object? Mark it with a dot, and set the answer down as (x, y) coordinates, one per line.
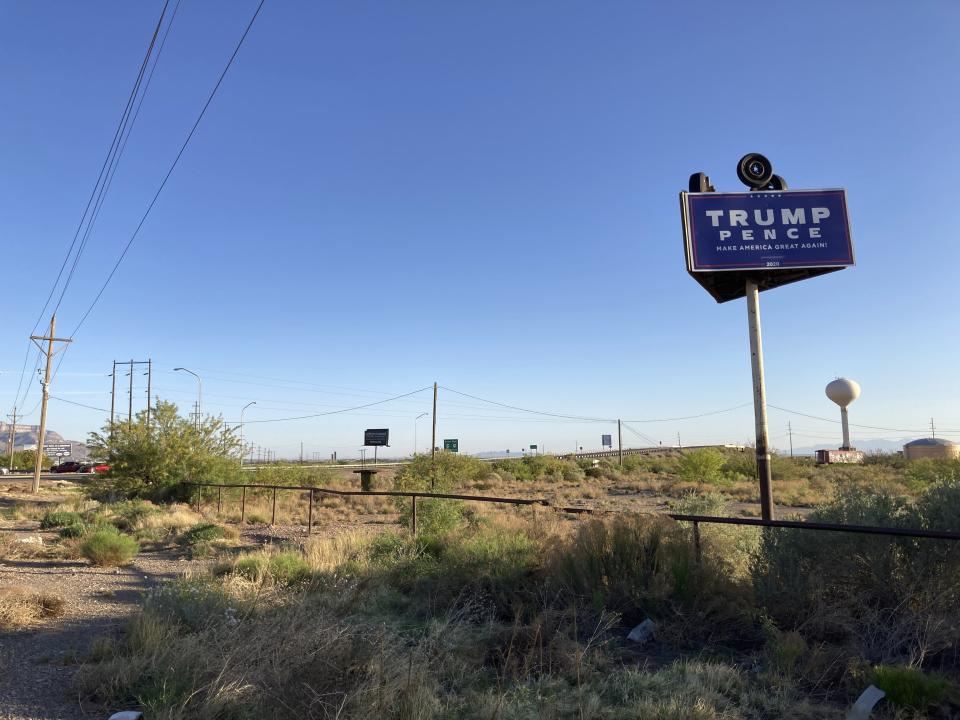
(620, 441)
(433, 436)
(13, 434)
(149, 382)
(113, 394)
(790, 433)
(51, 339)
(130, 396)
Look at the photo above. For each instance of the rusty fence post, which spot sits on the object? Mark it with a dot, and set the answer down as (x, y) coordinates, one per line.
(696, 541)
(413, 514)
(219, 498)
(273, 514)
(310, 514)
(243, 504)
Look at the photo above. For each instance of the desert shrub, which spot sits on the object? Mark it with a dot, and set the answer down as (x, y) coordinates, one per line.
(921, 474)
(709, 503)
(702, 465)
(642, 566)
(21, 607)
(107, 547)
(288, 567)
(73, 531)
(204, 532)
(538, 467)
(892, 598)
(60, 518)
(910, 688)
(191, 604)
(448, 471)
(126, 515)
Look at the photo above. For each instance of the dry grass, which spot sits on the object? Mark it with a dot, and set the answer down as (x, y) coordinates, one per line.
(22, 607)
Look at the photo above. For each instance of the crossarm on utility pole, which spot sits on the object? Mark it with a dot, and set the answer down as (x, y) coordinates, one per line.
(50, 339)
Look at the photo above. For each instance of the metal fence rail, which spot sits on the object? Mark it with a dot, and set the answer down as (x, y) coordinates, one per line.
(694, 519)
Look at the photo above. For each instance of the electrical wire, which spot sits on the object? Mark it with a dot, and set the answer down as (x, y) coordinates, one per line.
(125, 137)
(166, 177)
(837, 422)
(343, 410)
(73, 402)
(691, 417)
(526, 410)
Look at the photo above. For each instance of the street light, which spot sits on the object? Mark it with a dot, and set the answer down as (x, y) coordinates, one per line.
(423, 414)
(252, 402)
(199, 392)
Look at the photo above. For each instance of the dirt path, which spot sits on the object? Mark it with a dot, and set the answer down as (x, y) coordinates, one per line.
(37, 664)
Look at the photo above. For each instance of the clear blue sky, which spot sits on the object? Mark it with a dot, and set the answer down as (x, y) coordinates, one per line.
(482, 194)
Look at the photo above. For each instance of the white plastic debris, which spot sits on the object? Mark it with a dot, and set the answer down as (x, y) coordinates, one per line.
(127, 715)
(642, 632)
(864, 704)
(30, 539)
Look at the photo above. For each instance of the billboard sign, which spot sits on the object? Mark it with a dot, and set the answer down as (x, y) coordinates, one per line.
(57, 449)
(767, 230)
(377, 437)
(606, 440)
(451, 445)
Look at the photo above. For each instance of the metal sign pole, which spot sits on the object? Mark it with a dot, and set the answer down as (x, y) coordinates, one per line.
(759, 400)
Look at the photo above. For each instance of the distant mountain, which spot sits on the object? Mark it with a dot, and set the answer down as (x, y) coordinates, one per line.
(25, 438)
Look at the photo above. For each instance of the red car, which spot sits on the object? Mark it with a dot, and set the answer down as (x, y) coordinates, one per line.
(101, 468)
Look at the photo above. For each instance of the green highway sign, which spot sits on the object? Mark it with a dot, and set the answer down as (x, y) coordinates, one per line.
(533, 447)
(452, 445)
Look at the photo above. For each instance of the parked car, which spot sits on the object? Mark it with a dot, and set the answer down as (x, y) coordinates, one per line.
(71, 466)
(86, 468)
(101, 468)
(4, 471)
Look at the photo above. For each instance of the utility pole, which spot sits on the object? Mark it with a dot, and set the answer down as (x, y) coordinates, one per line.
(301, 452)
(790, 433)
(130, 396)
(149, 382)
(113, 393)
(13, 434)
(51, 339)
(933, 430)
(433, 437)
(678, 440)
(620, 441)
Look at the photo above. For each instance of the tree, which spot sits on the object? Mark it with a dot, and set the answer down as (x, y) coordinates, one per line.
(702, 465)
(154, 459)
(24, 460)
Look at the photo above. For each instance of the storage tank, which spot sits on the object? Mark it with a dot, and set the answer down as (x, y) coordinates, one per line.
(934, 448)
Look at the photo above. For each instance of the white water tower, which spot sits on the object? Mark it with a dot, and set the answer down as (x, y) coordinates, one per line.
(843, 391)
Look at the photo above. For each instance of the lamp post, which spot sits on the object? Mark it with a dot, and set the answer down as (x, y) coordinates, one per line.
(199, 393)
(242, 449)
(423, 414)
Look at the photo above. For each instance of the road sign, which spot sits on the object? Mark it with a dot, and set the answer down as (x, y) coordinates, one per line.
(451, 445)
(57, 449)
(533, 447)
(606, 440)
(772, 237)
(378, 437)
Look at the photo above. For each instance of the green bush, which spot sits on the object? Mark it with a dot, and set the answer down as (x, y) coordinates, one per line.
(127, 513)
(539, 467)
(702, 465)
(286, 568)
(909, 687)
(73, 531)
(892, 598)
(204, 532)
(107, 547)
(921, 474)
(60, 518)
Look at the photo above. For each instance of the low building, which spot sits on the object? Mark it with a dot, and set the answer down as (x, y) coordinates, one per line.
(935, 448)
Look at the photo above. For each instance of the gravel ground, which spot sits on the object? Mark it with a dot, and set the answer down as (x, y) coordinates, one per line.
(37, 664)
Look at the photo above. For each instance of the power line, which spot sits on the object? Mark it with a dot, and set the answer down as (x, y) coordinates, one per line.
(343, 410)
(170, 171)
(73, 402)
(121, 144)
(869, 427)
(527, 410)
(692, 417)
(97, 192)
